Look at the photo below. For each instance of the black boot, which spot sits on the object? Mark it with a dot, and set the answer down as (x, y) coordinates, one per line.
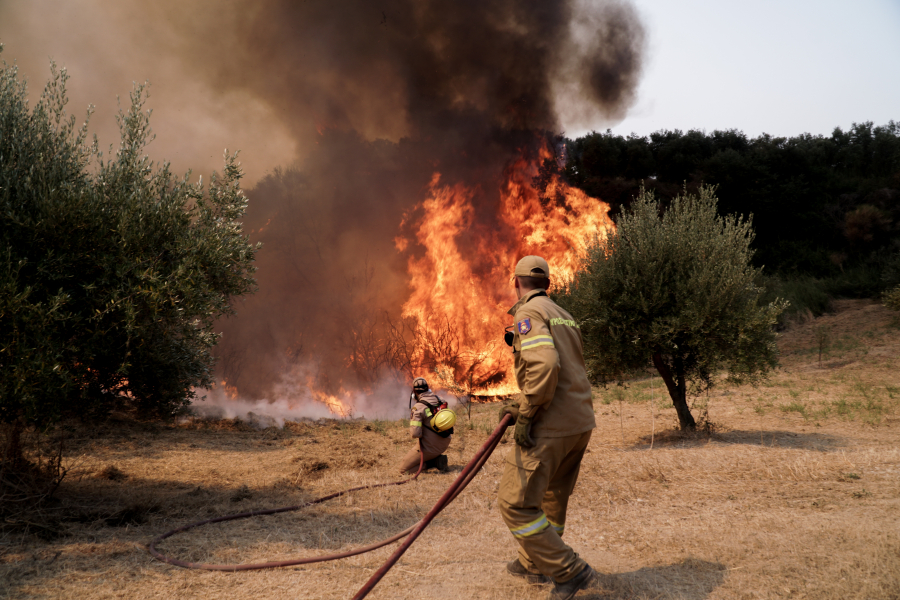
(567, 590)
(514, 567)
(439, 463)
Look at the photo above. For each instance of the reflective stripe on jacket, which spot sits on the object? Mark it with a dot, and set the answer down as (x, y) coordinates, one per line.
(422, 412)
(433, 443)
(549, 367)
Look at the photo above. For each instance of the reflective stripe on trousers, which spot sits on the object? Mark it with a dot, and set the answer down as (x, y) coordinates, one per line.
(536, 526)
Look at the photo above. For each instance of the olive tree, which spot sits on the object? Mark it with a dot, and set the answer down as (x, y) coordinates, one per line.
(112, 269)
(674, 288)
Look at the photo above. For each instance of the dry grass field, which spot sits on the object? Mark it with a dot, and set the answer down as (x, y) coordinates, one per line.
(792, 491)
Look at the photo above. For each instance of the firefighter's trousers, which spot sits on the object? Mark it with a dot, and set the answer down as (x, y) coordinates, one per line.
(432, 444)
(534, 494)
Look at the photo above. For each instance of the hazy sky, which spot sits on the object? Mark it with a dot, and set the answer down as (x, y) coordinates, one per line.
(781, 67)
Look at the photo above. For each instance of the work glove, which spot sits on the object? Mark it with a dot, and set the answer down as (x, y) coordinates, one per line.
(510, 409)
(522, 434)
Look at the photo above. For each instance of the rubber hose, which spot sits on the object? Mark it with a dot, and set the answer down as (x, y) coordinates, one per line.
(273, 511)
(467, 474)
(461, 482)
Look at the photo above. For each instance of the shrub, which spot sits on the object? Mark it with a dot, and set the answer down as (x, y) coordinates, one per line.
(806, 296)
(676, 289)
(112, 271)
(891, 298)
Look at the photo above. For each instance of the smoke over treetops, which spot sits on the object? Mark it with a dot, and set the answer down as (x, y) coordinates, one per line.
(378, 98)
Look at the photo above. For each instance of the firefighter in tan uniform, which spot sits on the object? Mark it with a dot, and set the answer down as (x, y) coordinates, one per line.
(432, 442)
(554, 421)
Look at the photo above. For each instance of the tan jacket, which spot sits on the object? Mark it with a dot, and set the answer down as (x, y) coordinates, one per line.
(431, 441)
(549, 366)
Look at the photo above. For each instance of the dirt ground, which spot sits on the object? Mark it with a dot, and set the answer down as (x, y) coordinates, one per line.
(792, 491)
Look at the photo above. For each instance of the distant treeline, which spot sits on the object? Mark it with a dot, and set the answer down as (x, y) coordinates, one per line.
(822, 206)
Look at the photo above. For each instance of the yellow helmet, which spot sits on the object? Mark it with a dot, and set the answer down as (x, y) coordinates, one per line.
(443, 420)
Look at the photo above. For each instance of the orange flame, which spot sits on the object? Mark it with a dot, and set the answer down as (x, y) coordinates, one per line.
(461, 286)
(229, 390)
(340, 404)
(337, 407)
(459, 262)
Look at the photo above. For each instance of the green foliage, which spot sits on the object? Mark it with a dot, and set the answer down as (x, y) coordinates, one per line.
(111, 271)
(892, 298)
(677, 288)
(864, 280)
(805, 295)
(797, 407)
(822, 205)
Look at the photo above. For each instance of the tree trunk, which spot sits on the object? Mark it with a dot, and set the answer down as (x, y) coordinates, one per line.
(677, 386)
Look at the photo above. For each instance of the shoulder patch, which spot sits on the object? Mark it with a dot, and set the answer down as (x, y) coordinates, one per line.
(524, 326)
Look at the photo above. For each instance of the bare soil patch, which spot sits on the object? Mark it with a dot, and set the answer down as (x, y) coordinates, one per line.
(793, 492)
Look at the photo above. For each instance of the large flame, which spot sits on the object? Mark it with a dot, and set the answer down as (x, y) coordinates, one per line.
(461, 285)
(461, 244)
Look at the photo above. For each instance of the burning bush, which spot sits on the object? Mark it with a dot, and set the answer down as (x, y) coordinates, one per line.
(353, 299)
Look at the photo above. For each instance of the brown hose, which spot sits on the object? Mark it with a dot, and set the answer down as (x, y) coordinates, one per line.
(467, 474)
(272, 511)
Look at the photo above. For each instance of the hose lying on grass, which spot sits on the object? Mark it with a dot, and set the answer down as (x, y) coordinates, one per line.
(466, 475)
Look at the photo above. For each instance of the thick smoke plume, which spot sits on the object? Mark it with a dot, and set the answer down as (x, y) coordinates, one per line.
(376, 97)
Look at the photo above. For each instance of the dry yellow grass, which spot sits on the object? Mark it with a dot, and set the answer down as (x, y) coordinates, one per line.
(795, 493)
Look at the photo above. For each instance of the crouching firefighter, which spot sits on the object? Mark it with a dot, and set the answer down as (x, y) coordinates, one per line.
(431, 423)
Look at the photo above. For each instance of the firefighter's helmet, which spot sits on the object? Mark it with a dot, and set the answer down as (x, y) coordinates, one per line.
(443, 420)
(420, 385)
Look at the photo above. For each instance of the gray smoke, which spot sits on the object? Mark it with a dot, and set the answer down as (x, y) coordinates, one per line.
(360, 103)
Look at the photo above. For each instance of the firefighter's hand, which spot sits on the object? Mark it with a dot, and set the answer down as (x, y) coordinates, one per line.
(523, 432)
(510, 409)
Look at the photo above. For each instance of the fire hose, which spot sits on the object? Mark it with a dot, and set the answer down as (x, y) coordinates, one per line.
(466, 475)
